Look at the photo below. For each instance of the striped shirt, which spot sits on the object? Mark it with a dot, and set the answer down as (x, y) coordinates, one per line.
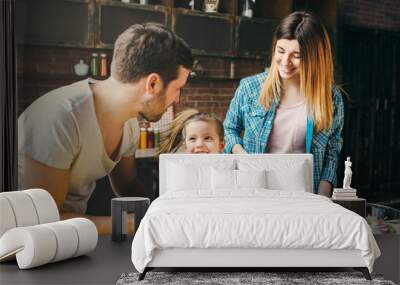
(246, 114)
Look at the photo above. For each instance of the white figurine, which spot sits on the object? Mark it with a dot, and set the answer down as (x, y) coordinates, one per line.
(347, 174)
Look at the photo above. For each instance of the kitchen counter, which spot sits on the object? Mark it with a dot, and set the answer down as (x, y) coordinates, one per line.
(146, 153)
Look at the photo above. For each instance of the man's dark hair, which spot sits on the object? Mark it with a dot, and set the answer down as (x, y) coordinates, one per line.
(146, 48)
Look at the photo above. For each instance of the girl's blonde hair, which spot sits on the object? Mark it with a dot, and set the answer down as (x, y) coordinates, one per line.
(316, 67)
(173, 136)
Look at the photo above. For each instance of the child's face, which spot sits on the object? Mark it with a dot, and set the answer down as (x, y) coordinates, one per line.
(202, 137)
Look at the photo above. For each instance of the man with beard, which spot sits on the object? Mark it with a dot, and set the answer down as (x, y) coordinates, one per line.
(77, 134)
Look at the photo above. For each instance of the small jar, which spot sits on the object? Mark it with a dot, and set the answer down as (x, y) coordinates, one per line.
(143, 139)
(211, 6)
(150, 138)
(103, 65)
(94, 64)
(81, 68)
(247, 8)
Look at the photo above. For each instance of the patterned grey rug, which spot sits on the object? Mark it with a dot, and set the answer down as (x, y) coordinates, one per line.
(243, 278)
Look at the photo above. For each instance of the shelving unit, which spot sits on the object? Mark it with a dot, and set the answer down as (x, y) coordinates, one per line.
(206, 34)
(248, 40)
(66, 23)
(113, 17)
(95, 24)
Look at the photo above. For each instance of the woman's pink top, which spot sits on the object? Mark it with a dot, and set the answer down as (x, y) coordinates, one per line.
(288, 133)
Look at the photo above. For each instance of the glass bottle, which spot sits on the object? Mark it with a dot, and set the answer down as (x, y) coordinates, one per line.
(143, 139)
(103, 65)
(150, 138)
(94, 64)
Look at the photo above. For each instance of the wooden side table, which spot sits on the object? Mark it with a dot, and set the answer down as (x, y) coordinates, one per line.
(357, 205)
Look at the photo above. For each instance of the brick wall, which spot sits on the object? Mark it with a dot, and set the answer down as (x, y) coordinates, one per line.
(41, 69)
(383, 14)
(208, 96)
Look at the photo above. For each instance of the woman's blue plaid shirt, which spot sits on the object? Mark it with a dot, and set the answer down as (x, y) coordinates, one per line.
(247, 115)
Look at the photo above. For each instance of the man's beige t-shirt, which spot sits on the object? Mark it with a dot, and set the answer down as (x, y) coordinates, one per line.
(60, 129)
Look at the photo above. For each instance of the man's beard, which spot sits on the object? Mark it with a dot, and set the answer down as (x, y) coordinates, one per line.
(150, 111)
(151, 117)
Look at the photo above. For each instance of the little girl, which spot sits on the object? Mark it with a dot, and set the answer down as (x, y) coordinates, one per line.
(193, 132)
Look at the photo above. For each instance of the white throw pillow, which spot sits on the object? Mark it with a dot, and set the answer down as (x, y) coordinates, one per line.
(293, 179)
(182, 177)
(282, 174)
(186, 175)
(223, 179)
(251, 178)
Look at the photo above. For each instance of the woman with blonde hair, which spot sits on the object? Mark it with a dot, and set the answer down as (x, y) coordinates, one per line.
(295, 107)
(193, 132)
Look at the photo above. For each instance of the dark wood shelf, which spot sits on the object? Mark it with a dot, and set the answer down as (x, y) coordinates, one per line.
(202, 13)
(209, 34)
(57, 76)
(220, 78)
(48, 22)
(248, 42)
(112, 18)
(205, 33)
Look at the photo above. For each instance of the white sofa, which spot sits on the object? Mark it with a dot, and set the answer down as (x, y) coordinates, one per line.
(31, 231)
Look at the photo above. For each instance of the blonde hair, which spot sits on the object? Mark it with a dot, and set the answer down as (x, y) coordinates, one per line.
(173, 136)
(316, 67)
